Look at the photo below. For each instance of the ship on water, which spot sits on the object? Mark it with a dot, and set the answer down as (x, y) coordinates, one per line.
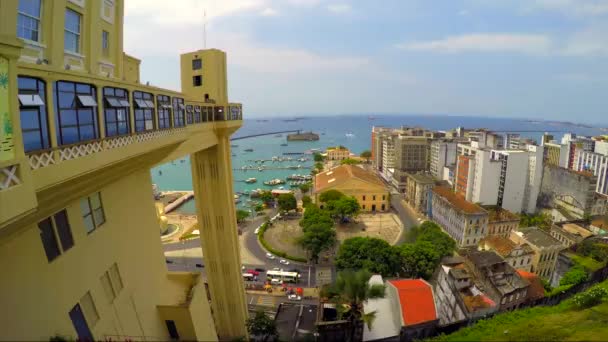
(303, 136)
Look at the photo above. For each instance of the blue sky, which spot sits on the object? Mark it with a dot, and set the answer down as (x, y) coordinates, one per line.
(542, 59)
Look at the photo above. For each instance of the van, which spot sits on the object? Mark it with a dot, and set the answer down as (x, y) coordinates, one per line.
(276, 281)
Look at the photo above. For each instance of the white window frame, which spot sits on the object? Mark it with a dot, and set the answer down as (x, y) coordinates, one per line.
(78, 34)
(105, 43)
(80, 3)
(111, 4)
(39, 19)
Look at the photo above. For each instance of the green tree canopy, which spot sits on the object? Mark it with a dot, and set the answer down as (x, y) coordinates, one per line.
(262, 327)
(374, 255)
(541, 220)
(259, 207)
(287, 202)
(575, 275)
(305, 188)
(366, 154)
(345, 207)
(418, 260)
(306, 201)
(318, 157)
(430, 232)
(319, 166)
(314, 215)
(349, 161)
(241, 215)
(330, 195)
(317, 238)
(266, 196)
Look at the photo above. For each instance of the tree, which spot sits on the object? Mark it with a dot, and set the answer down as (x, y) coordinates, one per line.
(314, 215)
(259, 207)
(305, 187)
(318, 157)
(261, 327)
(241, 215)
(287, 202)
(542, 221)
(266, 197)
(372, 254)
(442, 242)
(317, 238)
(349, 161)
(418, 260)
(345, 207)
(319, 166)
(350, 292)
(366, 154)
(306, 201)
(330, 195)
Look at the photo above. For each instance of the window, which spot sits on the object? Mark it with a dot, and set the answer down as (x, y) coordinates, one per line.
(164, 111)
(88, 309)
(28, 20)
(383, 197)
(116, 111)
(72, 31)
(76, 114)
(178, 112)
(105, 43)
(374, 197)
(363, 207)
(197, 64)
(197, 80)
(189, 114)
(32, 108)
(364, 197)
(144, 111)
(197, 114)
(51, 228)
(111, 282)
(91, 209)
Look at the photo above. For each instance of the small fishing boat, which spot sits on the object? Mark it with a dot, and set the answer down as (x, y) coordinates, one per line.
(251, 180)
(160, 173)
(249, 150)
(284, 144)
(234, 146)
(275, 181)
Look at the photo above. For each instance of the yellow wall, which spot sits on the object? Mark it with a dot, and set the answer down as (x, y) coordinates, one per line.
(337, 154)
(213, 74)
(359, 189)
(130, 68)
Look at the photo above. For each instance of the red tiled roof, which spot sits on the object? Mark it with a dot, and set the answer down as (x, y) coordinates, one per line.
(328, 179)
(536, 289)
(416, 299)
(458, 201)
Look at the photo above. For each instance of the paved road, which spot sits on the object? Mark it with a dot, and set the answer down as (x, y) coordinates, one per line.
(409, 218)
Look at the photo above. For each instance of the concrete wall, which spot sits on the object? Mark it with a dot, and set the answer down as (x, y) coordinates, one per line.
(570, 190)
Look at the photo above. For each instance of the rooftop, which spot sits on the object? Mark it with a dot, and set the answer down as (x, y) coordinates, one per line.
(536, 289)
(499, 244)
(537, 237)
(293, 326)
(483, 259)
(421, 178)
(458, 201)
(385, 325)
(342, 173)
(416, 299)
(600, 221)
(498, 214)
(575, 229)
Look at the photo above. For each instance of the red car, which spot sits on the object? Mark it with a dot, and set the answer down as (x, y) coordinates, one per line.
(254, 272)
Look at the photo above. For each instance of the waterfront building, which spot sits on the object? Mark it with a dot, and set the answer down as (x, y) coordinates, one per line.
(418, 191)
(597, 164)
(517, 255)
(545, 247)
(501, 221)
(442, 154)
(337, 153)
(465, 222)
(79, 234)
(351, 180)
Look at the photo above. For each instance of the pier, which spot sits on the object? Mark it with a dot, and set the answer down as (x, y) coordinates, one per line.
(175, 204)
(262, 134)
(272, 168)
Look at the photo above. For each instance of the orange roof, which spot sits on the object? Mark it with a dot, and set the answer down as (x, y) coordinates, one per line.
(500, 245)
(416, 299)
(536, 289)
(327, 179)
(458, 200)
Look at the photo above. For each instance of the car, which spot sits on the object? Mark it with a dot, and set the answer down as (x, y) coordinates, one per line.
(294, 297)
(256, 231)
(269, 256)
(260, 269)
(284, 262)
(254, 272)
(276, 281)
(276, 269)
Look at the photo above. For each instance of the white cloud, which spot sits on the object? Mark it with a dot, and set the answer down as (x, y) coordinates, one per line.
(339, 8)
(592, 41)
(305, 3)
(463, 12)
(269, 12)
(578, 7)
(485, 42)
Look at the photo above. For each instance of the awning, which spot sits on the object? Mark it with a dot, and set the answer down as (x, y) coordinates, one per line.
(141, 103)
(149, 103)
(113, 102)
(87, 101)
(30, 100)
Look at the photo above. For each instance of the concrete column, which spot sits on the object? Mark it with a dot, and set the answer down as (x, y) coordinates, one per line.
(212, 183)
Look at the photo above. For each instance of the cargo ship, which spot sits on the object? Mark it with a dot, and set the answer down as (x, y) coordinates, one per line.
(305, 136)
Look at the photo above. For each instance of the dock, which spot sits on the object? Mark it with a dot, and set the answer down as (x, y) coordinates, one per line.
(178, 202)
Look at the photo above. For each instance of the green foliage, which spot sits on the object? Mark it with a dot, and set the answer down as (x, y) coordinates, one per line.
(349, 161)
(314, 215)
(442, 242)
(345, 207)
(546, 285)
(319, 166)
(305, 188)
(266, 197)
(306, 201)
(330, 195)
(318, 157)
(590, 298)
(317, 238)
(262, 327)
(241, 215)
(418, 260)
(542, 221)
(575, 275)
(287, 202)
(366, 154)
(372, 254)
(259, 207)
(269, 248)
(593, 249)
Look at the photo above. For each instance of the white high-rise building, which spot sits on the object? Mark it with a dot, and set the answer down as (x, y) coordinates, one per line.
(443, 153)
(595, 163)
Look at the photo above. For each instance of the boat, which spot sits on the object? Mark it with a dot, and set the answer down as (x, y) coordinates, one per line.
(275, 181)
(261, 168)
(251, 180)
(234, 146)
(284, 144)
(234, 155)
(248, 150)
(160, 173)
(349, 135)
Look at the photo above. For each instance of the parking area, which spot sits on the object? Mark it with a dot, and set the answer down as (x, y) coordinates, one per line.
(385, 226)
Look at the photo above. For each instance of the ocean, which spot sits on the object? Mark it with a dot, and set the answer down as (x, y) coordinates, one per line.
(352, 131)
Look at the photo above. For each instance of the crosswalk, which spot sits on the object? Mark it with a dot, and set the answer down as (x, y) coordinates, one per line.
(266, 300)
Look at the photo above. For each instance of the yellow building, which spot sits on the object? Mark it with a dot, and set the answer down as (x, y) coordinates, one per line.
(365, 186)
(337, 153)
(80, 250)
(546, 249)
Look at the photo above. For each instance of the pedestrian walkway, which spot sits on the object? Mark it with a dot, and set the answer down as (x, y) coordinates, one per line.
(266, 300)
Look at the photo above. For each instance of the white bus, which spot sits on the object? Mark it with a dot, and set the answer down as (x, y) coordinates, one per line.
(290, 277)
(248, 277)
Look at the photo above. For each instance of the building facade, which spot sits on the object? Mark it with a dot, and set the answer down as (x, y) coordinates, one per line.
(465, 222)
(517, 255)
(442, 153)
(418, 191)
(80, 134)
(597, 164)
(545, 247)
(337, 153)
(570, 233)
(501, 221)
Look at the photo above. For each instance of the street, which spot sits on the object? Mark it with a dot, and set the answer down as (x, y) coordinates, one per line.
(408, 217)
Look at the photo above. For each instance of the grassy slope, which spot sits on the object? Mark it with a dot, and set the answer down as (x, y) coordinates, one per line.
(563, 322)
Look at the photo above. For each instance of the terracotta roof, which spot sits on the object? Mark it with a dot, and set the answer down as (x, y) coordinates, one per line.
(480, 301)
(500, 245)
(416, 299)
(458, 201)
(600, 221)
(328, 179)
(498, 214)
(536, 289)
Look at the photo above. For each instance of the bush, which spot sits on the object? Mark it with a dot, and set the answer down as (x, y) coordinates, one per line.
(575, 275)
(269, 248)
(590, 298)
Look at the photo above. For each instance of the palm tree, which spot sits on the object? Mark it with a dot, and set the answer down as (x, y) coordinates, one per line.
(350, 291)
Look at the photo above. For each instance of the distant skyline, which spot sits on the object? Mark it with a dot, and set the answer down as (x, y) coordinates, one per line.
(536, 59)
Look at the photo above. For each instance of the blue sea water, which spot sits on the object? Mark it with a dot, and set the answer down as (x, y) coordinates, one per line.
(333, 131)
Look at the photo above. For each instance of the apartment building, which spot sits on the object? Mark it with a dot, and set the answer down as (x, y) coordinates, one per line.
(80, 254)
(418, 191)
(465, 222)
(501, 221)
(597, 164)
(442, 154)
(545, 247)
(517, 255)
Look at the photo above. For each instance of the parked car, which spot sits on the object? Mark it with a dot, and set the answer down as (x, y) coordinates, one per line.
(260, 269)
(276, 269)
(254, 272)
(276, 281)
(294, 297)
(284, 262)
(269, 256)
